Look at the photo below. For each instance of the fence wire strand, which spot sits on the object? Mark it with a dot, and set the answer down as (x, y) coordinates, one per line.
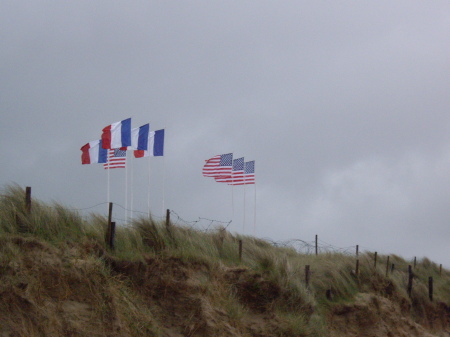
(208, 225)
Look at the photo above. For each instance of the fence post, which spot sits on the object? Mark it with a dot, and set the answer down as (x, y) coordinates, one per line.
(167, 218)
(375, 260)
(410, 280)
(440, 269)
(430, 288)
(240, 250)
(307, 276)
(387, 266)
(28, 199)
(317, 250)
(415, 262)
(357, 268)
(357, 251)
(112, 235)
(108, 227)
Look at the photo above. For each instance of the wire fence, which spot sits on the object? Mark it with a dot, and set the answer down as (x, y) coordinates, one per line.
(208, 225)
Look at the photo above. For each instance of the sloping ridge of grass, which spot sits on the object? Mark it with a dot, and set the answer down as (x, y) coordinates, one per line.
(58, 278)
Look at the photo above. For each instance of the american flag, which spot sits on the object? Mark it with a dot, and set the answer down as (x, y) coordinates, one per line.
(249, 175)
(117, 158)
(249, 172)
(237, 174)
(218, 166)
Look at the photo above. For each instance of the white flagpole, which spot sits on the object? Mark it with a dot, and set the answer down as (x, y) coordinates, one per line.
(132, 194)
(164, 186)
(232, 200)
(126, 189)
(148, 188)
(254, 214)
(243, 228)
(107, 196)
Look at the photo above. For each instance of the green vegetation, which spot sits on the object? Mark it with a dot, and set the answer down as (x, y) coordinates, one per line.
(58, 277)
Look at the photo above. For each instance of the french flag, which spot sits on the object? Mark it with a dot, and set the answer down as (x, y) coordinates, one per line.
(117, 135)
(155, 145)
(139, 137)
(93, 153)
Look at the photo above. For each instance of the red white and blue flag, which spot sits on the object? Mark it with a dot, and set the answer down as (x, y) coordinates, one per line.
(117, 158)
(218, 166)
(245, 174)
(93, 153)
(117, 135)
(249, 173)
(140, 137)
(237, 173)
(155, 145)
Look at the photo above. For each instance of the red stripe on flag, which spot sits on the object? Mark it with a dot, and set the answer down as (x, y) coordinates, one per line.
(85, 158)
(106, 137)
(138, 153)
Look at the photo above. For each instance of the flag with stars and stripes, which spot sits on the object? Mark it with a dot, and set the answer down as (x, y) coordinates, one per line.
(218, 166)
(249, 173)
(117, 158)
(237, 174)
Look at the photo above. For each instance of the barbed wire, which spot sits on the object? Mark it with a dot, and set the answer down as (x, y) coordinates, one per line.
(208, 225)
(197, 224)
(86, 208)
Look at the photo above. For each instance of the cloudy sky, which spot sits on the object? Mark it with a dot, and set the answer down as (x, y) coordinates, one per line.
(344, 106)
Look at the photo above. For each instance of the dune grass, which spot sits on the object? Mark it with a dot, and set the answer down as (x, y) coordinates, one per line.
(263, 271)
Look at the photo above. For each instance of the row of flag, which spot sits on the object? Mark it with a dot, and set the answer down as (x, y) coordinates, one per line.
(117, 138)
(224, 169)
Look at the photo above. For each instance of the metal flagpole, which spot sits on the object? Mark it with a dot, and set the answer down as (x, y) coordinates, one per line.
(148, 188)
(132, 192)
(126, 189)
(243, 228)
(164, 185)
(232, 200)
(254, 214)
(107, 166)
(232, 192)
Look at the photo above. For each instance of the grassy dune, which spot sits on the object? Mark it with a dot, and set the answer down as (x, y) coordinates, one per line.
(58, 278)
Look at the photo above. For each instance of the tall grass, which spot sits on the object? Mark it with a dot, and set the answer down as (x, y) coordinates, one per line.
(263, 266)
(48, 222)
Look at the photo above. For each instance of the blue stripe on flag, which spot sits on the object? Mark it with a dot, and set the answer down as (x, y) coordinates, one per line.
(102, 153)
(158, 146)
(125, 129)
(143, 137)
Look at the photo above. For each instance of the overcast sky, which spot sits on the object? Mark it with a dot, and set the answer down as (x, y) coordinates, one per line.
(344, 106)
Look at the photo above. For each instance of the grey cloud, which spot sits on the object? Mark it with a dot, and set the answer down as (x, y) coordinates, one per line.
(344, 106)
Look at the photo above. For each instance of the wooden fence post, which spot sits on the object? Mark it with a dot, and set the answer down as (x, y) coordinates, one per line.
(317, 248)
(307, 276)
(415, 262)
(168, 218)
(240, 250)
(387, 266)
(112, 235)
(430, 288)
(108, 227)
(375, 260)
(410, 280)
(28, 199)
(357, 261)
(440, 269)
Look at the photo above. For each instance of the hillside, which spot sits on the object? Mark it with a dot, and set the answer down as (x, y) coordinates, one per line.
(59, 278)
